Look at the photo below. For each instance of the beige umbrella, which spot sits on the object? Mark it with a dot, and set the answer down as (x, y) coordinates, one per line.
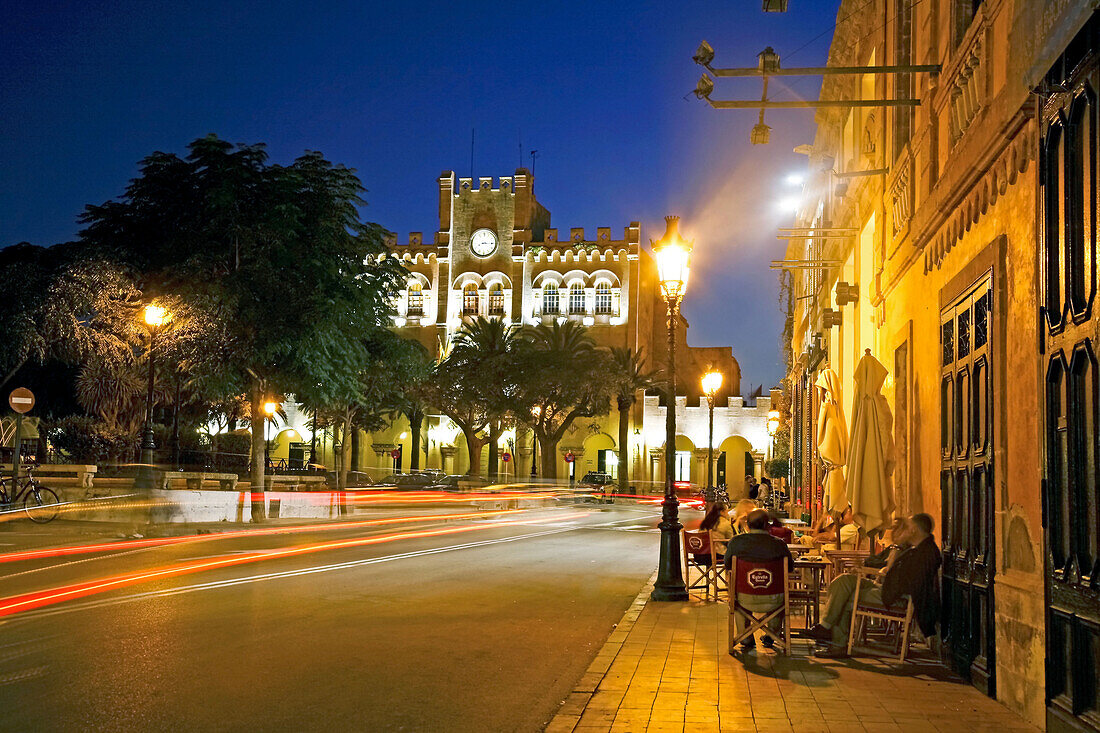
(832, 441)
(871, 450)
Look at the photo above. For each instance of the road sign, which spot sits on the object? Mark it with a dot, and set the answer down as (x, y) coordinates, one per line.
(569, 457)
(395, 453)
(506, 457)
(21, 400)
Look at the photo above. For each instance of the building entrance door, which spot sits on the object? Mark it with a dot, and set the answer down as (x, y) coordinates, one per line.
(720, 473)
(1071, 443)
(966, 482)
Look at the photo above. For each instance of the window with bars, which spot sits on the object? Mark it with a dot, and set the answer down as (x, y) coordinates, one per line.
(550, 298)
(603, 298)
(469, 300)
(415, 305)
(576, 299)
(496, 300)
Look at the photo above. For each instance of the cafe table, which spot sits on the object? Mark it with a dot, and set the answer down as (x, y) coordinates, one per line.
(810, 593)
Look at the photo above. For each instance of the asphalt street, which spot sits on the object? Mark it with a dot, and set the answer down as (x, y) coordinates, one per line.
(422, 621)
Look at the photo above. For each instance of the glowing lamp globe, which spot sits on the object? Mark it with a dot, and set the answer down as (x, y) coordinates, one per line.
(673, 254)
(154, 315)
(773, 422)
(712, 382)
(270, 408)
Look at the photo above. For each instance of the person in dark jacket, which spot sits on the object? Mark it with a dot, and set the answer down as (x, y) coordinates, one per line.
(757, 545)
(909, 573)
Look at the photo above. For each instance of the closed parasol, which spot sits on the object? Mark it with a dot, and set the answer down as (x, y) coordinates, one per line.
(871, 448)
(832, 441)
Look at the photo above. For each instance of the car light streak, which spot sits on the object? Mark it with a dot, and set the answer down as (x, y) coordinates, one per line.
(184, 539)
(60, 594)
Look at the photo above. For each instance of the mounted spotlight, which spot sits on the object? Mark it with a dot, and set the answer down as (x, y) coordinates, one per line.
(846, 293)
(760, 134)
(775, 6)
(830, 318)
(704, 87)
(768, 61)
(704, 54)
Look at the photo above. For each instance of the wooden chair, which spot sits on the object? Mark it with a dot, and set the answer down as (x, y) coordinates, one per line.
(844, 560)
(748, 578)
(699, 547)
(902, 616)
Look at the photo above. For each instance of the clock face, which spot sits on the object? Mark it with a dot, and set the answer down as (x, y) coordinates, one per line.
(483, 242)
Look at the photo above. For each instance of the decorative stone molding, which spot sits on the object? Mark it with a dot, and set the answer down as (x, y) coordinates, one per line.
(968, 93)
(993, 184)
(901, 192)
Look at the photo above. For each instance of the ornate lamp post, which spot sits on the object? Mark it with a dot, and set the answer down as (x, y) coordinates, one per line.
(535, 412)
(712, 382)
(154, 317)
(269, 410)
(672, 253)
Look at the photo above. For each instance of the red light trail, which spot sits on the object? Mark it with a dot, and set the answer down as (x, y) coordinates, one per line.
(185, 539)
(60, 594)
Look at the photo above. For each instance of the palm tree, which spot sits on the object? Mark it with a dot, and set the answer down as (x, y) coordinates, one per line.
(486, 346)
(630, 377)
(566, 377)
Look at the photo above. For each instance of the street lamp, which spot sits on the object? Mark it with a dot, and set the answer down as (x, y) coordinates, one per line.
(536, 411)
(269, 410)
(154, 317)
(712, 382)
(672, 252)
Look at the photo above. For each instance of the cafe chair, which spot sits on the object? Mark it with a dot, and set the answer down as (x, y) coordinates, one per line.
(862, 611)
(749, 578)
(699, 547)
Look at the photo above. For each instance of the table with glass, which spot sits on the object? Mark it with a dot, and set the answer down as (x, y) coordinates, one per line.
(808, 580)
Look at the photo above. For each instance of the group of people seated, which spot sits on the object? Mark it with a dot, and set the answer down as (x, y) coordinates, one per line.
(908, 569)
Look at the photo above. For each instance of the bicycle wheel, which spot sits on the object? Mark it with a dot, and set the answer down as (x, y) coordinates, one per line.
(41, 504)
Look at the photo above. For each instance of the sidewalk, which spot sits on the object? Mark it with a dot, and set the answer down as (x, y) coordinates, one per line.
(666, 668)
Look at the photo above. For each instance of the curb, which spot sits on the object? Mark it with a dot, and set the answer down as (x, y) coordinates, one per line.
(569, 714)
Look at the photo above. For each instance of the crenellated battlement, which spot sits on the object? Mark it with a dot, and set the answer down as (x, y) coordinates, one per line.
(505, 184)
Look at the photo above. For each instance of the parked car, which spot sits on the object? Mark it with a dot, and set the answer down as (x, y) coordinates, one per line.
(410, 481)
(598, 482)
(455, 482)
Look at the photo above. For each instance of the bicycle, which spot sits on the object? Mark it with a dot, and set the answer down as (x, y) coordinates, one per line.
(41, 503)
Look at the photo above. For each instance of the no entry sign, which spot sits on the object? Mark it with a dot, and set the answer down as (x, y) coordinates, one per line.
(21, 400)
(569, 457)
(506, 457)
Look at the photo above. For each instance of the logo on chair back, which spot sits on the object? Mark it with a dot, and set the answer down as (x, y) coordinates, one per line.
(760, 578)
(695, 544)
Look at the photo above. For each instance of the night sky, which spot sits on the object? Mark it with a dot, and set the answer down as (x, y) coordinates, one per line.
(392, 90)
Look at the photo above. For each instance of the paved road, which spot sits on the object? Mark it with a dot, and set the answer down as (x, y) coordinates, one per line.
(484, 627)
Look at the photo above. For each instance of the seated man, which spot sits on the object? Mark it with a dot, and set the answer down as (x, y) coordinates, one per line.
(849, 534)
(759, 546)
(909, 573)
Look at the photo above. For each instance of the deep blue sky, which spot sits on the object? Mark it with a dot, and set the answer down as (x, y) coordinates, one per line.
(87, 89)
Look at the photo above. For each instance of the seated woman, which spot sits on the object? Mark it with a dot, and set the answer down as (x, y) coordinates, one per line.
(740, 514)
(780, 530)
(717, 520)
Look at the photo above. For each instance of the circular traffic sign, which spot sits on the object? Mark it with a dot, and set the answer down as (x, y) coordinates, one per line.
(21, 400)
(506, 457)
(569, 457)
(395, 453)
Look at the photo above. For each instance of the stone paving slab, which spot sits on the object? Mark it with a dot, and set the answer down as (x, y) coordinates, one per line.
(666, 668)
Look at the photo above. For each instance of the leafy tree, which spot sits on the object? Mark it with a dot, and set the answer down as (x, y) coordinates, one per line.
(276, 257)
(410, 369)
(487, 349)
(566, 377)
(69, 308)
(630, 377)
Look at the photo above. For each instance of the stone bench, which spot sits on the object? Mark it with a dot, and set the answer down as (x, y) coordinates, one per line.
(83, 474)
(195, 479)
(294, 483)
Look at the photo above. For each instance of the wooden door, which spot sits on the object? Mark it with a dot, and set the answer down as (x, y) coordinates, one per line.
(966, 484)
(1067, 242)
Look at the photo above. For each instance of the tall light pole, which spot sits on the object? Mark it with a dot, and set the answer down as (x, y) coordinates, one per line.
(672, 253)
(712, 382)
(535, 412)
(154, 317)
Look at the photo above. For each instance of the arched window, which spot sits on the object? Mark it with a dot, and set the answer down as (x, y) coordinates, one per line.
(496, 300)
(469, 300)
(550, 298)
(576, 299)
(416, 299)
(603, 298)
